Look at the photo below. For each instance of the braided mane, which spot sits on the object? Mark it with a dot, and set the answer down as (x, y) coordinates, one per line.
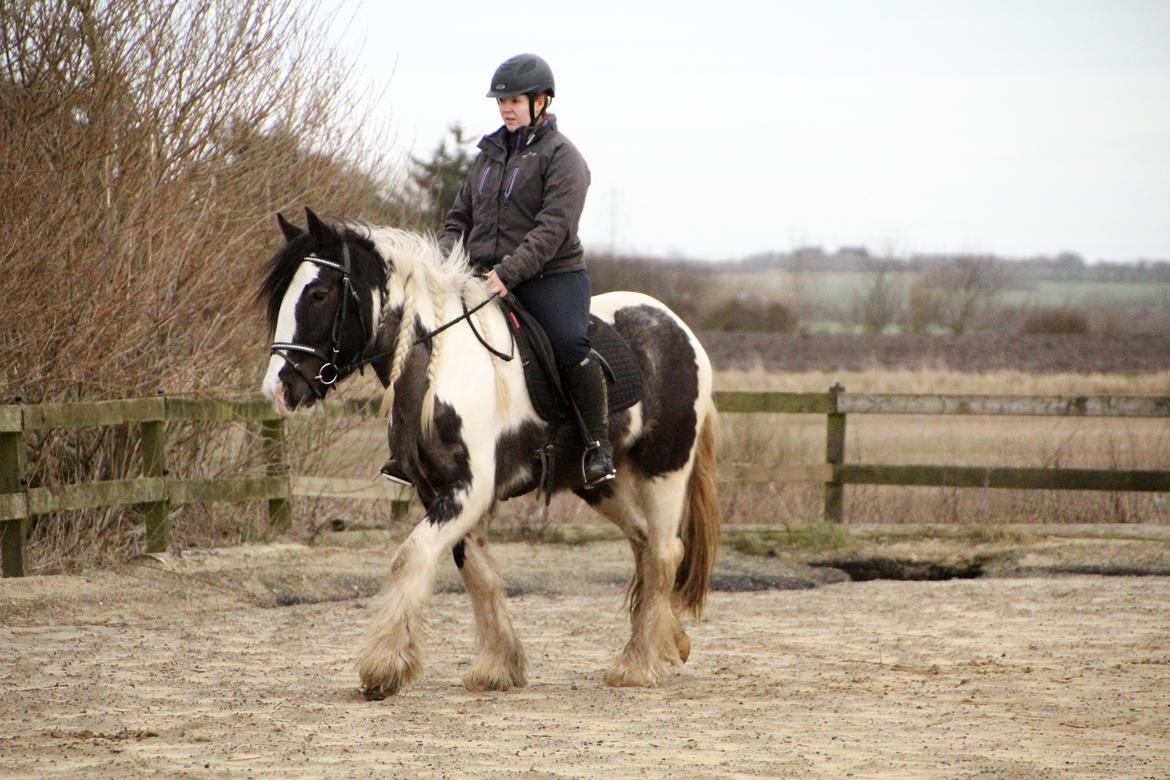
(431, 285)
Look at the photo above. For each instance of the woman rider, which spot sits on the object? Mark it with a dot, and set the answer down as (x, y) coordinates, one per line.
(517, 217)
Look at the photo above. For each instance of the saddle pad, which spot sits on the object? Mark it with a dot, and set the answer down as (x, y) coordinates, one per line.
(622, 372)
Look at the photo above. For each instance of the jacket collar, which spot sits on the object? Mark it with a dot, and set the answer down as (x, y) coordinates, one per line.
(495, 144)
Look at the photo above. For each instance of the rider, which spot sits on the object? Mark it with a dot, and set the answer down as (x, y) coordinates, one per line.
(517, 217)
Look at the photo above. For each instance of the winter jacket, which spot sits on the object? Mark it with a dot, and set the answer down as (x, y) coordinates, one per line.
(519, 213)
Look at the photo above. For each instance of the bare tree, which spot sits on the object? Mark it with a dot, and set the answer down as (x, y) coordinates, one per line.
(960, 293)
(879, 303)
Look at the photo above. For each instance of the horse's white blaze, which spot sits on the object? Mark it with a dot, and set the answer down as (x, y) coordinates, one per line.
(286, 325)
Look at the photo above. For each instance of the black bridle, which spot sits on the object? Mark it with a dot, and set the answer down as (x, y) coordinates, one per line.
(330, 372)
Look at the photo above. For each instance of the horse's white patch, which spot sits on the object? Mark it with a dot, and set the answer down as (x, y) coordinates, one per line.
(286, 324)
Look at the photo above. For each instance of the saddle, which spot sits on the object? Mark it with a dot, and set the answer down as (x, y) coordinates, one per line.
(623, 375)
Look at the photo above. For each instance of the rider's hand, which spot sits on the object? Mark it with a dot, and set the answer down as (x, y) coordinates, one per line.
(495, 285)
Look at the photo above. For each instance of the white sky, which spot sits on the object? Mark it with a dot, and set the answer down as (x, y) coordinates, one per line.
(719, 129)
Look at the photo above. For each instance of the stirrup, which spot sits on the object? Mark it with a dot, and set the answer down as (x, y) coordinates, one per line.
(590, 484)
(390, 473)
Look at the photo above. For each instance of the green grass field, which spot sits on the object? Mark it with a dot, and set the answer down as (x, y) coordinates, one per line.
(837, 291)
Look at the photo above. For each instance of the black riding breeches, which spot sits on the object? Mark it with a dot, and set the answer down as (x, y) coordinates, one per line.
(560, 303)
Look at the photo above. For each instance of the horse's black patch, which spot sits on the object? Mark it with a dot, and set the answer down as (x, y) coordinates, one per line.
(438, 466)
(445, 466)
(458, 552)
(516, 456)
(672, 384)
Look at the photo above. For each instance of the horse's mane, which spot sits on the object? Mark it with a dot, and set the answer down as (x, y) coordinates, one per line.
(429, 279)
(418, 254)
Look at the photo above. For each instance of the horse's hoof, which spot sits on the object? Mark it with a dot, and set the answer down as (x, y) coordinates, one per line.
(625, 675)
(490, 673)
(379, 692)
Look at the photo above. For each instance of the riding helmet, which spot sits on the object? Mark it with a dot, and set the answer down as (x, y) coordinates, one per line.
(524, 74)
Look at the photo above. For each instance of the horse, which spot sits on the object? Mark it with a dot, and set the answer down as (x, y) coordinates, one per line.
(342, 295)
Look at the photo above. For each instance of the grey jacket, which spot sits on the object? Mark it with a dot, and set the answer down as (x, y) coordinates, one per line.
(519, 214)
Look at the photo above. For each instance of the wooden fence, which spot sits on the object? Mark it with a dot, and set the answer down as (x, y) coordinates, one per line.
(156, 492)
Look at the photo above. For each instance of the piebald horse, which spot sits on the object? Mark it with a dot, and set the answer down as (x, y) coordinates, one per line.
(340, 296)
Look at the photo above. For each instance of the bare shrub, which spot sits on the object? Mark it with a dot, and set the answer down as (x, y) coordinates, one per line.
(1056, 321)
(924, 307)
(683, 286)
(145, 146)
(752, 313)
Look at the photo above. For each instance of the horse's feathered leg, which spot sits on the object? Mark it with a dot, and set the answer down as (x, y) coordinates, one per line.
(391, 656)
(647, 511)
(656, 636)
(500, 664)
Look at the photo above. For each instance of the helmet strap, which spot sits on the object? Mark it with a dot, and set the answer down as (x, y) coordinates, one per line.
(532, 108)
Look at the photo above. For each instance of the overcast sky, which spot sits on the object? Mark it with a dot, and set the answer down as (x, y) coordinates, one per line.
(720, 129)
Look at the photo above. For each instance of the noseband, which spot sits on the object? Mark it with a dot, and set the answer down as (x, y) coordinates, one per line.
(329, 372)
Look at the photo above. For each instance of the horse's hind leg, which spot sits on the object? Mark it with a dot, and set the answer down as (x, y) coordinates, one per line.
(500, 664)
(649, 512)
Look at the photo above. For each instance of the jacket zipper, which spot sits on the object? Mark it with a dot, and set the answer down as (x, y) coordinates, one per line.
(508, 192)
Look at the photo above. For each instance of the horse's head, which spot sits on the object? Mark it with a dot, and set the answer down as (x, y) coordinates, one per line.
(323, 292)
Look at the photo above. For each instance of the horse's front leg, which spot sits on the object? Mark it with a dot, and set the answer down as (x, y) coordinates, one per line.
(391, 655)
(500, 664)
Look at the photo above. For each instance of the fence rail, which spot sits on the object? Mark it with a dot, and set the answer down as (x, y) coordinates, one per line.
(157, 493)
(837, 404)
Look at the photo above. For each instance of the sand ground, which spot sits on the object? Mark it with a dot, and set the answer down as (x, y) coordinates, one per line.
(239, 663)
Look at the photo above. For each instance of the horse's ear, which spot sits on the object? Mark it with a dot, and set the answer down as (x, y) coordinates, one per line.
(317, 228)
(290, 230)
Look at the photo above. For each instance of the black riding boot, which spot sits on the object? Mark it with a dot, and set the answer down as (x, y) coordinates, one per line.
(392, 470)
(585, 384)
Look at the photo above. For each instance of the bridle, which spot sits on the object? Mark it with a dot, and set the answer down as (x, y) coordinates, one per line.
(330, 371)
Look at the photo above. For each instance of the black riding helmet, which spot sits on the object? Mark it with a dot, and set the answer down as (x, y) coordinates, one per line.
(524, 74)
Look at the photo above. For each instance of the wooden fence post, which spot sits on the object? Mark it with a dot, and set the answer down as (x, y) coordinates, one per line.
(279, 509)
(12, 532)
(835, 456)
(154, 464)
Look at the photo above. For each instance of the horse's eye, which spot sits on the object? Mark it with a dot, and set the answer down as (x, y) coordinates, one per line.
(318, 295)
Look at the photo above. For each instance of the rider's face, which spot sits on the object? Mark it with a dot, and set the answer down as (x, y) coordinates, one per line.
(515, 112)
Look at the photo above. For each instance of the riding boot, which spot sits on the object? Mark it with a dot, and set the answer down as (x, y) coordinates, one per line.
(585, 384)
(392, 470)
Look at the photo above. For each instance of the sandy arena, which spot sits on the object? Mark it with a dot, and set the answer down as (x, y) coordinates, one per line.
(240, 663)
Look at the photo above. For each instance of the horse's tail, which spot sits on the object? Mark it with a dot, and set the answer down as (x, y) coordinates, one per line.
(700, 524)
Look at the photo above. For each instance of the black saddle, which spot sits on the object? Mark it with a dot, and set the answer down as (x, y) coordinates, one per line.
(622, 372)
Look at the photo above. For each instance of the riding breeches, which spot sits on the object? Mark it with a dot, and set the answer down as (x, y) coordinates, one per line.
(560, 303)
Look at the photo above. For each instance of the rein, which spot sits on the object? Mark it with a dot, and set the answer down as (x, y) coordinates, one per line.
(426, 337)
(330, 372)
